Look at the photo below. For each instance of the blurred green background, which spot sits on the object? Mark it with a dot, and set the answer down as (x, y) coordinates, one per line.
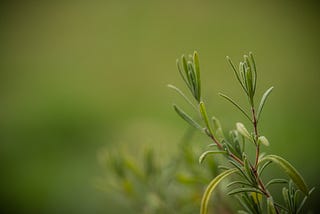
(77, 76)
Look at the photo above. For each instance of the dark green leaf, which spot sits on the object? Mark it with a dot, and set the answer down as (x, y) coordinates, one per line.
(240, 183)
(244, 189)
(241, 170)
(304, 200)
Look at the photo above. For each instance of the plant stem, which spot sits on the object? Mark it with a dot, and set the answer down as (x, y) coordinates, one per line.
(221, 148)
(256, 135)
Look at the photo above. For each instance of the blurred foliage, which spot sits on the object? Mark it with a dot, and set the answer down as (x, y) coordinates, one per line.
(80, 75)
(148, 185)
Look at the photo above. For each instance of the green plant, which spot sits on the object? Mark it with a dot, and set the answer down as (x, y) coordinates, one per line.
(150, 185)
(247, 185)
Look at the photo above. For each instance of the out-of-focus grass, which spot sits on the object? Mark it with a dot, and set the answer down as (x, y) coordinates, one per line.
(75, 75)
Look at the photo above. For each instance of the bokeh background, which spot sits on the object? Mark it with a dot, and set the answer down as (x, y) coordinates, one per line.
(79, 76)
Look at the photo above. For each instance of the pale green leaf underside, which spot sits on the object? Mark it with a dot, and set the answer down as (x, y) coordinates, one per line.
(186, 117)
(206, 153)
(290, 171)
(182, 94)
(263, 101)
(213, 184)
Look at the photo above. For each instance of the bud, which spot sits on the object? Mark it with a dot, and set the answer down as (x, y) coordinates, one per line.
(263, 140)
(243, 131)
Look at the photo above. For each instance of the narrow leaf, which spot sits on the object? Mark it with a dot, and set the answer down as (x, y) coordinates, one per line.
(205, 116)
(197, 71)
(185, 68)
(270, 206)
(236, 105)
(290, 170)
(206, 153)
(254, 68)
(304, 200)
(263, 101)
(260, 170)
(183, 75)
(244, 189)
(236, 73)
(276, 181)
(213, 184)
(182, 94)
(240, 183)
(186, 117)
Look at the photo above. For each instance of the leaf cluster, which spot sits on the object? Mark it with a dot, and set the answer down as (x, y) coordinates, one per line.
(248, 187)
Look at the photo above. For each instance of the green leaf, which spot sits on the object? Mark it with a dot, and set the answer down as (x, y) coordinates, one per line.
(276, 181)
(248, 169)
(290, 170)
(240, 183)
(304, 200)
(249, 81)
(260, 170)
(236, 73)
(244, 189)
(263, 101)
(270, 206)
(197, 71)
(254, 68)
(205, 116)
(242, 212)
(185, 68)
(182, 94)
(193, 80)
(186, 117)
(241, 170)
(236, 105)
(183, 75)
(213, 184)
(217, 128)
(206, 153)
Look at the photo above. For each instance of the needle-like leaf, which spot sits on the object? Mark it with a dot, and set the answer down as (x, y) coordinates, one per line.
(263, 101)
(205, 116)
(276, 181)
(236, 105)
(186, 117)
(244, 189)
(270, 206)
(182, 94)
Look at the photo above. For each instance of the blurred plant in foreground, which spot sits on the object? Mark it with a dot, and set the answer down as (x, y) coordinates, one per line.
(150, 185)
(247, 185)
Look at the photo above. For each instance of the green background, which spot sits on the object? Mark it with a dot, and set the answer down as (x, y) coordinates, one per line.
(77, 76)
